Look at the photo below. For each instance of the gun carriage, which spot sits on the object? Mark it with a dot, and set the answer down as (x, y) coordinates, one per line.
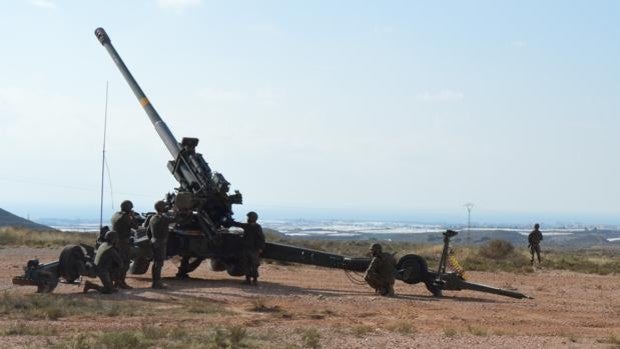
(205, 210)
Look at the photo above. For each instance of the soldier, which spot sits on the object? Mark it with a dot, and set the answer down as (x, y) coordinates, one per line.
(108, 264)
(253, 243)
(380, 272)
(122, 223)
(158, 226)
(534, 240)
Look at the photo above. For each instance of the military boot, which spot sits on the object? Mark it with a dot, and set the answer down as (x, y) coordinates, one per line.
(254, 282)
(181, 276)
(122, 285)
(88, 286)
(158, 285)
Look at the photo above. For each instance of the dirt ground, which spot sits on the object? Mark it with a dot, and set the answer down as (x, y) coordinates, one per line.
(567, 310)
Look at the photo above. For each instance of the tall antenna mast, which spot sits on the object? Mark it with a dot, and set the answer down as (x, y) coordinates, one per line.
(469, 206)
(105, 128)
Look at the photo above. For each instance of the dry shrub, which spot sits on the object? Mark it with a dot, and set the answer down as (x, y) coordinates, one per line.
(21, 328)
(259, 305)
(496, 249)
(402, 326)
(53, 307)
(477, 331)
(449, 332)
(39, 238)
(311, 338)
(361, 330)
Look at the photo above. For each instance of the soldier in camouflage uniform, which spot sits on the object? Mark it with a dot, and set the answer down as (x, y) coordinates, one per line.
(122, 223)
(534, 240)
(252, 244)
(380, 272)
(108, 265)
(159, 227)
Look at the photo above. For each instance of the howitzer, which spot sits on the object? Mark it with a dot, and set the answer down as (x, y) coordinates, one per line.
(413, 269)
(205, 213)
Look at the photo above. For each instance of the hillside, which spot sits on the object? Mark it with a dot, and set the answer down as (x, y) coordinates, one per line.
(7, 219)
(572, 240)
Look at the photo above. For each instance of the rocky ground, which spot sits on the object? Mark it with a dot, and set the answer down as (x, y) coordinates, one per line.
(305, 306)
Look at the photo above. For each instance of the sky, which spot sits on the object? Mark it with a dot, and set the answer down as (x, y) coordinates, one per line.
(351, 109)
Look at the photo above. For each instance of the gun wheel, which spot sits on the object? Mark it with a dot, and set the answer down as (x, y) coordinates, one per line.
(412, 269)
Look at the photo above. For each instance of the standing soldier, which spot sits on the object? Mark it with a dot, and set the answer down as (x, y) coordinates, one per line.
(380, 272)
(534, 240)
(108, 264)
(253, 243)
(122, 223)
(159, 227)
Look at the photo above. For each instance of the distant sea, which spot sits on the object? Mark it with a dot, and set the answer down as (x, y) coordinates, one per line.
(343, 228)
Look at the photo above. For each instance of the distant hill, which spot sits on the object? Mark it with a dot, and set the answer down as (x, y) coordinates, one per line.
(598, 238)
(7, 219)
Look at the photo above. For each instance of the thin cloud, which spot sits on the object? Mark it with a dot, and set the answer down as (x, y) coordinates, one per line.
(43, 3)
(178, 5)
(441, 96)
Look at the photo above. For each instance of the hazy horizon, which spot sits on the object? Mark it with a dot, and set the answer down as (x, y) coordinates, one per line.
(452, 217)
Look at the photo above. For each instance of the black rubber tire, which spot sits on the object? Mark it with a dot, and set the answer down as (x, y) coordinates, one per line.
(217, 264)
(139, 266)
(235, 269)
(412, 269)
(194, 264)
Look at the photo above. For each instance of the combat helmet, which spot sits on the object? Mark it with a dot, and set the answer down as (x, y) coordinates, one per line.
(252, 215)
(126, 206)
(376, 248)
(160, 206)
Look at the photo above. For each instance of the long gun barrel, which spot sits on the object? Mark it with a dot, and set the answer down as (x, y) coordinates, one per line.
(200, 189)
(160, 126)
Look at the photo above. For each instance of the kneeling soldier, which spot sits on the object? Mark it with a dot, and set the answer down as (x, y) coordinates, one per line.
(159, 227)
(108, 264)
(380, 272)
